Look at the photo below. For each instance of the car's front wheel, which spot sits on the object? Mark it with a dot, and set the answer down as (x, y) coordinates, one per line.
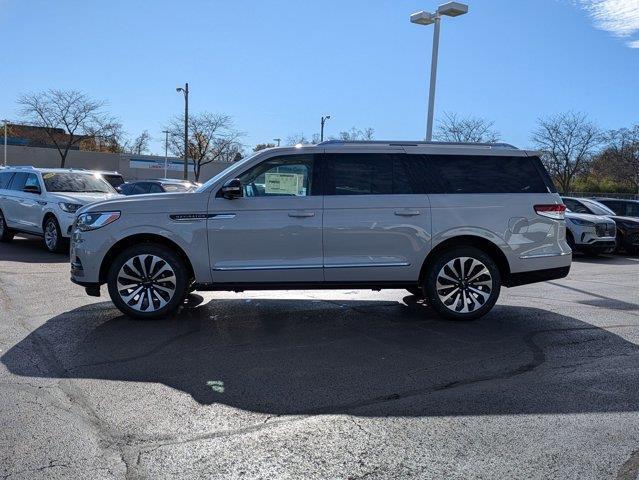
(53, 239)
(6, 234)
(463, 283)
(148, 281)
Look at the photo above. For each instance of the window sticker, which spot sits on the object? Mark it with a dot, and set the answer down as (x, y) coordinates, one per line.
(283, 183)
(48, 175)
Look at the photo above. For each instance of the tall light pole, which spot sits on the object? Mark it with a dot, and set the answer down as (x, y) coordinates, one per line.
(6, 122)
(278, 140)
(185, 91)
(322, 129)
(450, 9)
(166, 151)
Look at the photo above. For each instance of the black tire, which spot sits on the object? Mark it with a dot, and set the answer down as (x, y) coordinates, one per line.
(154, 289)
(54, 242)
(6, 234)
(570, 240)
(417, 291)
(482, 303)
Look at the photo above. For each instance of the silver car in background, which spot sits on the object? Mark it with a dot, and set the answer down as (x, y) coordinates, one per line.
(449, 222)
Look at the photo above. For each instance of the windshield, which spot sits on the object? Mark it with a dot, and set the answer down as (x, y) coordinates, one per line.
(598, 208)
(75, 182)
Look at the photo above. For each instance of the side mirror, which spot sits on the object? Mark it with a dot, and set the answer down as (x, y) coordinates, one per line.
(32, 189)
(232, 189)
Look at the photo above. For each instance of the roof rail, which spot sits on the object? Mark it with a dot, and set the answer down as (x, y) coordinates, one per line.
(413, 143)
(21, 167)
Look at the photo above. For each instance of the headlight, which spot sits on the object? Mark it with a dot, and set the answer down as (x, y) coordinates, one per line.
(95, 220)
(69, 207)
(583, 223)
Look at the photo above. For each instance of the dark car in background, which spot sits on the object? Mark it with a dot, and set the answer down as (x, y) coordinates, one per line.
(115, 179)
(141, 187)
(625, 208)
(627, 226)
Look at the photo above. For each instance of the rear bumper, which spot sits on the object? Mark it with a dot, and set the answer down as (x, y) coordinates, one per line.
(535, 276)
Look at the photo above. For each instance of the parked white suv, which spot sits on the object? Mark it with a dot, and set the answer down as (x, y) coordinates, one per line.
(43, 201)
(449, 222)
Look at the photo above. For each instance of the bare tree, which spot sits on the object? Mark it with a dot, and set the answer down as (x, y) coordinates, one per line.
(71, 111)
(357, 134)
(297, 138)
(263, 146)
(212, 137)
(453, 128)
(619, 160)
(568, 142)
(140, 143)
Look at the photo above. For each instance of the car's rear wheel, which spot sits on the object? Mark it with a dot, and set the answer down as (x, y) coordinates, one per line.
(148, 281)
(570, 240)
(6, 234)
(53, 239)
(463, 283)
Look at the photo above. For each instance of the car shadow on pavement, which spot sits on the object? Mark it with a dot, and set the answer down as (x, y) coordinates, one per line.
(369, 358)
(29, 249)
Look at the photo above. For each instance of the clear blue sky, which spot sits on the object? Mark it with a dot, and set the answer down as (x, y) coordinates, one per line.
(276, 66)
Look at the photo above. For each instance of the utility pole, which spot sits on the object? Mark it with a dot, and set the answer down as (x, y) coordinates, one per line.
(6, 122)
(322, 129)
(277, 140)
(450, 9)
(185, 91)
(166, 152)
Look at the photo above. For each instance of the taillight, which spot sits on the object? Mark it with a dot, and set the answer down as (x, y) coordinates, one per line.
(555, 211)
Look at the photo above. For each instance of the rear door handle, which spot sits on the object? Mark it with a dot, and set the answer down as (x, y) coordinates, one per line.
(407, 212)
(301, 214)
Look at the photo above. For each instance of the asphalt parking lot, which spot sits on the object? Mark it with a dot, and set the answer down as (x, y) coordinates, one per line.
(319, 384)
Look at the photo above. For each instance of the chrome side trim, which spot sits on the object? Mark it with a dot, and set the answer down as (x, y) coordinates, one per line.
(271, 267)
(221, 216)
(544, 255)
(358, 265)
(297, 267)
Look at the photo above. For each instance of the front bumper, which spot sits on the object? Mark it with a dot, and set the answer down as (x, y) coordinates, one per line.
(66, 223)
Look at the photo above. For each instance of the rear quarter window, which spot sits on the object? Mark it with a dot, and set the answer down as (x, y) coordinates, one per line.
(487, 174)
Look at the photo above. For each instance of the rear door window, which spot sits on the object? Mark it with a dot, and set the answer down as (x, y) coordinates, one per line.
(412, 174)
(618, 207)
(632, 209)
(358, 174)
(155, 188)
(18, 181)
(140, 188)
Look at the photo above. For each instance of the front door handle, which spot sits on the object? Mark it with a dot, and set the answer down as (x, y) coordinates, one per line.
(407, 212)
(301, 214)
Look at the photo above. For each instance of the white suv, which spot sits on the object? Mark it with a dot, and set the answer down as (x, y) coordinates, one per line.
(44, 201)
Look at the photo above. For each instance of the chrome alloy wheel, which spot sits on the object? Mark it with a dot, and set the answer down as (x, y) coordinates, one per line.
(51, 235)
(464, 284)
(146, 283)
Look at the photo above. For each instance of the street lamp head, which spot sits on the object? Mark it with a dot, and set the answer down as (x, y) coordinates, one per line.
(179, 89)
(422, 18)
(452, 9)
